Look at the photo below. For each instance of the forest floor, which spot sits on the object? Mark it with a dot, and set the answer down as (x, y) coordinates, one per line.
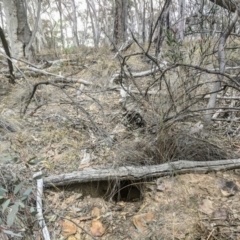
(57, 136)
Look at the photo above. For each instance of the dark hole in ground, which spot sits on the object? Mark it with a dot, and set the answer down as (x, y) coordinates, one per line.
(126, 190)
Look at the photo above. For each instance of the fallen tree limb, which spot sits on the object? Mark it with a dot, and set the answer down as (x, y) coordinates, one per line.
(140, 172)
(117, 76)
(59, 77)
(40, 217)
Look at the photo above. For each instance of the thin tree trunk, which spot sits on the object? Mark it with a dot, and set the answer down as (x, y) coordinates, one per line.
(181, 25)
(59, 6)
(139, 22)
(6, 48)
(144, 22)
(201, 17)
(75, 28)
(95, 22)
(161, 23)
(151, 19)
(222, 63)
(1, 12)
(29, 45)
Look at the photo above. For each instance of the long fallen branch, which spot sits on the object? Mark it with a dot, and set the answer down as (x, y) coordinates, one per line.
(142, 172)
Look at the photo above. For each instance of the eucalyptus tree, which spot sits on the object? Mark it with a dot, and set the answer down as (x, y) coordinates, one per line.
(19, 33)
(96, 20)
(182, 19)
(74, 24)
(120, 21)
(59, 7)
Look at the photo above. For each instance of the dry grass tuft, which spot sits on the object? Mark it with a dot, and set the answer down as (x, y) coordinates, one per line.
(170, 146)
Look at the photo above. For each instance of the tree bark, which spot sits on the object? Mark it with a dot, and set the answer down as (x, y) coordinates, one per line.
(95, 21)
(181, 25)
(144, 22)
(59, 6)
(75, 28)
(120, 22)
(33, 35)
(18, 31)
(161, 23)
(6, 49)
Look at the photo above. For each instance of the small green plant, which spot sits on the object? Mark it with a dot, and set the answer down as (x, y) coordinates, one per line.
(13, 204)
(16, 201)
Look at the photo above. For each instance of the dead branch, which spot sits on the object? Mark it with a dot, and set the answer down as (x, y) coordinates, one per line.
(124, 47)
(54, 83)
(59, 77)
(40, 218)
(118, 76)
(142, 172)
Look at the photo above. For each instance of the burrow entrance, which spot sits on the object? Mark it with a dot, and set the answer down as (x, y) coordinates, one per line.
(125, 190)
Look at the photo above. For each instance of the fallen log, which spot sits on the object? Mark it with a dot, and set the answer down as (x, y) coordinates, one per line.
(140, 172)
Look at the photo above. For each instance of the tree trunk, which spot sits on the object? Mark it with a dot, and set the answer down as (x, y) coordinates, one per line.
(138, 20)
(19, 33)
(222, 63)
(162, 25)
(95, 21)
(120, 22)
(10, 65)
(181, 25)
(33, 35)
(144, 22)
(1, 13)
(107, 21)
(75, 29)
(39, 34)
(150, 23)
(59, 6)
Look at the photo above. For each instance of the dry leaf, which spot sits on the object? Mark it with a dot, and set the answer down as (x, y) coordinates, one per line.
(140, 221)
(226, 193)
(71, 238)
(96, 212)
(97, 228)
(68, 228)
(206, 207)
(78, 236)
(161, 187)
(70, 200)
